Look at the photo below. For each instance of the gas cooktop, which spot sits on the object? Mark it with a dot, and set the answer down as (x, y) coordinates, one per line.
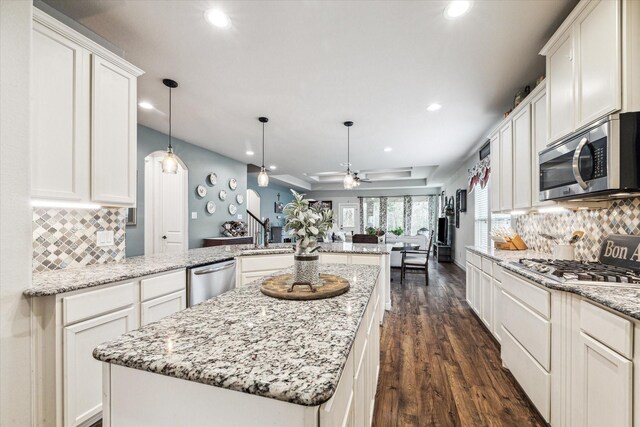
(581, 271)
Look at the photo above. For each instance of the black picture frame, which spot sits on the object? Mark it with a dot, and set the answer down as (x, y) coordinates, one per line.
(278, 207)
(461, 200)
(132, 216)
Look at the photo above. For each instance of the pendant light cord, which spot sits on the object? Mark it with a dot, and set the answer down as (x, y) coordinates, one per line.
(263, 145)
(348, 149)
(170, 104)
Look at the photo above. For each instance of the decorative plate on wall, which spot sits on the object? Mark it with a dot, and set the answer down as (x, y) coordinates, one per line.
(213, 178)
(211, 207)
(233, 209)
(240, 199)
(222, 195)
(233, 184)
(201, 190)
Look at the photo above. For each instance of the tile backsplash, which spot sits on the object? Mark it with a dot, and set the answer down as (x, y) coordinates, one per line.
(623, 217)
(67, 237)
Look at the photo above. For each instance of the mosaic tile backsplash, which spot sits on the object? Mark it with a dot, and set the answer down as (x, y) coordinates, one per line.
(67, 237)
(623, 217)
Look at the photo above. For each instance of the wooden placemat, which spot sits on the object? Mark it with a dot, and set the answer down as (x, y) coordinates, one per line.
(278, 287)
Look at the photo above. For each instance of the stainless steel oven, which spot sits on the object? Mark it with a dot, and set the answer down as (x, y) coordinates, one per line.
(600, 161)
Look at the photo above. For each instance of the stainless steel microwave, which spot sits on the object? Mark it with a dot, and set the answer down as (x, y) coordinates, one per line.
(600, 161)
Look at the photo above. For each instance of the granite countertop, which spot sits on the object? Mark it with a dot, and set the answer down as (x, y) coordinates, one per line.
(620, 297)
(242, 340)
(70, 279)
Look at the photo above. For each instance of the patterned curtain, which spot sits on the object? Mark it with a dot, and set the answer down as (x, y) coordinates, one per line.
(361, 200)
(408, 205)
(383, 213)
(432, 205)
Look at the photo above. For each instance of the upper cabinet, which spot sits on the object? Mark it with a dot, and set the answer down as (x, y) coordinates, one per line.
(83, 118)
(590, 61)
(521, 124)
(506, 167)
(494, 180)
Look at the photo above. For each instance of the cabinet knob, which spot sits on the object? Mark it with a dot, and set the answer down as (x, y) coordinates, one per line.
(164, 237)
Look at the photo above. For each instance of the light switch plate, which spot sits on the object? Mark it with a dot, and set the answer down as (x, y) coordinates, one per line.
(239, 216)
(194, 215)
(104, 238)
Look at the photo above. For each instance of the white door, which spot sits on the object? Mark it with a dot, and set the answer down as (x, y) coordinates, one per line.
(522, 159)
(83, 373)
(506, 168)
(113, 134)
(253, 203)
(349, 219)
(166, 207)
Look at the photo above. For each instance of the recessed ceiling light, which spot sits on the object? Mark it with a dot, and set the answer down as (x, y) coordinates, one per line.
(434, 107)
(273, 167)
(387, 149)
(217, 17)
(146, 105)
(249, 153)
(457, 8)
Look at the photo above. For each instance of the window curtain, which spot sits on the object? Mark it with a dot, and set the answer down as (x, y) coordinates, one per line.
(479, 174)
(408, 205)
(383, 213)
(361, 199)
(432, 205)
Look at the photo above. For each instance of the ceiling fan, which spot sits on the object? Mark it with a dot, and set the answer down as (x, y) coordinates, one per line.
(357, 180)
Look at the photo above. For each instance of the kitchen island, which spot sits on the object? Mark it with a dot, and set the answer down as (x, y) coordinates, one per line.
(247, 359)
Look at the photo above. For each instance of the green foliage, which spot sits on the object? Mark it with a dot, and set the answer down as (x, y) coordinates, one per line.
(374, 231)
(399, 231)
(306, 222)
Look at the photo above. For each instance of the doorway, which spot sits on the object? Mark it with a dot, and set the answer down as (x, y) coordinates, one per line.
(166, 227)
(253, 203)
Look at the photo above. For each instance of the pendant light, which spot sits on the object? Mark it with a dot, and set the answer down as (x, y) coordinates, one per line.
(169, 162)
(263, 178)
(348, 181)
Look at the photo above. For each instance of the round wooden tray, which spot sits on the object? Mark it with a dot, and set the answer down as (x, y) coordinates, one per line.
(280, 287)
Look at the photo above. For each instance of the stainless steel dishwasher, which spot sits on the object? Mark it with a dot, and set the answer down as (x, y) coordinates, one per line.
(210, 280)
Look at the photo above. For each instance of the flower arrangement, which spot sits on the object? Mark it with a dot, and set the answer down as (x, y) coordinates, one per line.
(306, 222)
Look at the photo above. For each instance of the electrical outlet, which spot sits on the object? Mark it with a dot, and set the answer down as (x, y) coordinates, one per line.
(239, 216)
(194, 215)
(104, 238)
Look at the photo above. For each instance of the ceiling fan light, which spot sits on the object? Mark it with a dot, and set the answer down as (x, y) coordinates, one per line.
(263, 178)
(348, 181)
(169, 162)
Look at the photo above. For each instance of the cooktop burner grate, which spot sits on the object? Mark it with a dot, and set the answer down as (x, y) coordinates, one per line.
(582, 270)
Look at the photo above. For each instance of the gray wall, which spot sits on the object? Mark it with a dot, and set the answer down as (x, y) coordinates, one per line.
(268, 196)
(200, 163)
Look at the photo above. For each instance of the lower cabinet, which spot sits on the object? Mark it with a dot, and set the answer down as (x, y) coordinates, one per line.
(69, 326)
(486, 294)
(496, 292)
(483, 290)
(252, 268)
(82, 373)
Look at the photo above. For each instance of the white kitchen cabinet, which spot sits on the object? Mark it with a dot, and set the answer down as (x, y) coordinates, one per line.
(59, 116)
(560, 89)
(605, 386)
(538, 143)
(113, 134)
(83, 118)
(158, 308)
(506, 167)
(522, 158)
(494, 178)
(468, 283)
(496, 306)
(82, 373)
(486, 295)
(477, 290)
(598, 71)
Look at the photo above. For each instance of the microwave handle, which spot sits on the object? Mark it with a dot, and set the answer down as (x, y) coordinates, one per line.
(575, 165)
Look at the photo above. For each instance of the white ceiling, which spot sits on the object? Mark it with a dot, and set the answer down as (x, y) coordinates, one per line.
(311, 65)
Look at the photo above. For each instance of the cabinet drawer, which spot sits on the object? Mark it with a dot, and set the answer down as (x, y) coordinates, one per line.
(536, 298)
(533, 379)
(267, 262)
(498, 272)
(474, 259)
(163, 306)
(528, 328)
(365, 259)
(334, 258)
(608, 328)
(487, 266)
(93, 303)
(247, 278)
(154, 287)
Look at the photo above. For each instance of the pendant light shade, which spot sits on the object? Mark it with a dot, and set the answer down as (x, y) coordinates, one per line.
(263, 178)
(348, 182)
(169, 162)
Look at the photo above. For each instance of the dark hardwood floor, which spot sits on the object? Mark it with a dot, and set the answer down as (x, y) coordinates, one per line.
(438, 365)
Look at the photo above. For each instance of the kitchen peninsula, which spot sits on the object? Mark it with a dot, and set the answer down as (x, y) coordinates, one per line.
(294, 363)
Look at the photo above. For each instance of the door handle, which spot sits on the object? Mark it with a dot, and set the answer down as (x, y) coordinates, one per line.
(575, 165)
(164, 237)
(213, 270)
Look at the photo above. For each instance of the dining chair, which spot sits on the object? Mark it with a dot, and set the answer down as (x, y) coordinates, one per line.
(417, 260)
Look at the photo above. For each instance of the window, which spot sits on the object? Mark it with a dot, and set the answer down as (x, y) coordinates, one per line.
(481, 213)
(395, 213)
(348, 215)
(371, 212)
(420, 214)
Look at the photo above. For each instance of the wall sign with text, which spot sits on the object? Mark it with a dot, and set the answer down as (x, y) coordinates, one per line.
(621, 250)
